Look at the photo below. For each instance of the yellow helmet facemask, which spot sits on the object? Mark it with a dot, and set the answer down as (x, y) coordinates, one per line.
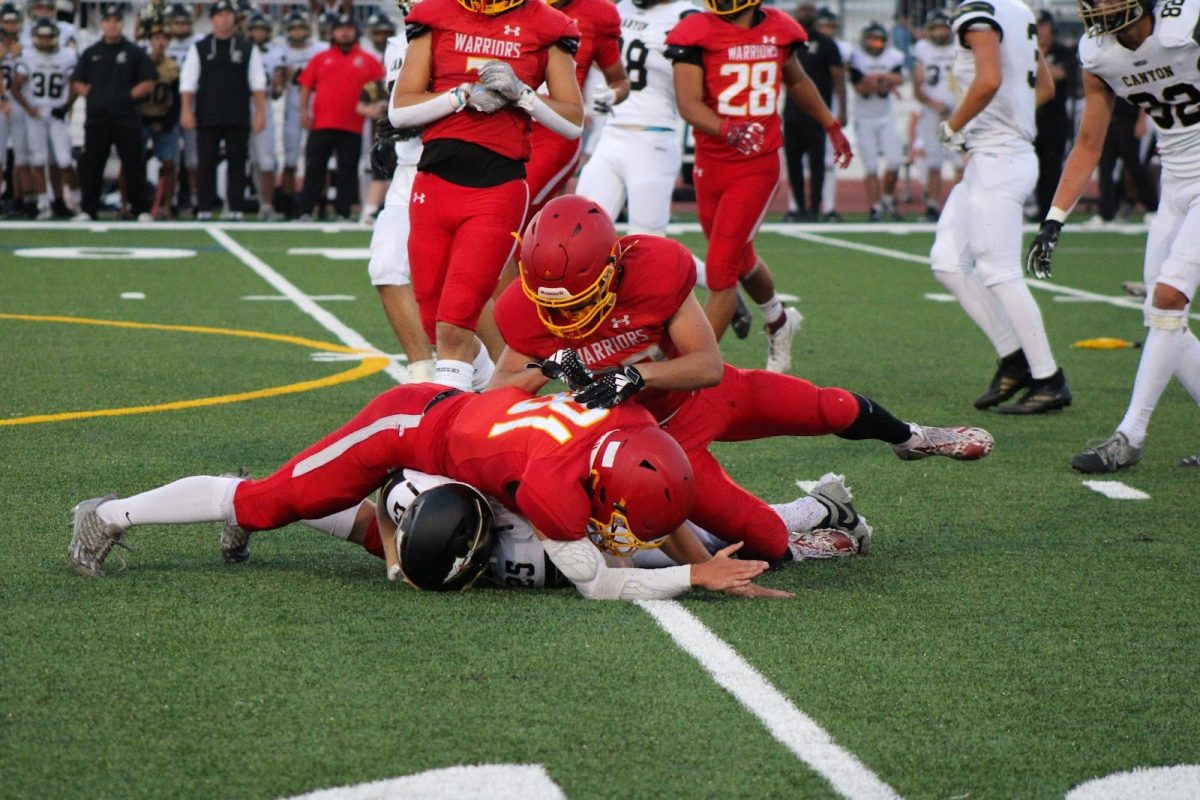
(615, 537)
(727, 8)
(490, 7)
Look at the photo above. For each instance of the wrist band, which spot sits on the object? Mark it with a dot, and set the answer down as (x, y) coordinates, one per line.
(1056, 214)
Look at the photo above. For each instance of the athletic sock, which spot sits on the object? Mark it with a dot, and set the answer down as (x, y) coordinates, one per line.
(1026, 320)
(201, 498)
(421, 371)
(802, 514)
(772, 312)
(876, 422)
(455, 374)
(1160, 358)
(339, 525)
(701, 272)
(1188, 369)
(484, 368)
(983, 308)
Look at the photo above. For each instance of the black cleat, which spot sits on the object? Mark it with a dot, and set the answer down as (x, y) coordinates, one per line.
(1011, 377)
(742, 319)
(1044, 395)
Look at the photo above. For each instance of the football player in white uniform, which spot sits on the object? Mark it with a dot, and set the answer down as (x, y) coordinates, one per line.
(44, 9)
(933, 81)
(180, 27)
(876, 71)
(977, 248)
(263, 144)
(12, 120)
(47, 98)
(389, 267)
(1149, 54)
(296, 55)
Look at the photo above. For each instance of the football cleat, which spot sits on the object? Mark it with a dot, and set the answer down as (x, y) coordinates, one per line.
(235, 542)
(1190, 461)
(91, 538)
(779, 343)
(1011, 377)
(1044, 395)
(1110, 455)
(823, 543)
(832, 492)
(964, 443)
(741, 317)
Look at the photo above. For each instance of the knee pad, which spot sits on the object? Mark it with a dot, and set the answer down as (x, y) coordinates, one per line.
(1165, 319)
(838, 408)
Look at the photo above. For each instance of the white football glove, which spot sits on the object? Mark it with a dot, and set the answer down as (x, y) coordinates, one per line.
(602, 100)
(485, 100)
(499, 77)
(950, 138)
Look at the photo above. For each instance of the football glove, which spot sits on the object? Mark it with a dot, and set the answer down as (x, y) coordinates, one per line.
(842, 154)
(602, 100)
(499, 77)
(1041, 249)
(59, 113)
(950, 138)
(485, 100)
(383, 156)
(564, 365)
(612, 388)
(745, 137)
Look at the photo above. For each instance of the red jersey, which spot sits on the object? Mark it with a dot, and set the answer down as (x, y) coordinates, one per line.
(533, 454)
(463, 41)
(599, 34)
(658, 276)
(743, 71)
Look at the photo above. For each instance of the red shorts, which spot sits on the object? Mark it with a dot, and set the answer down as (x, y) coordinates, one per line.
(347, 465)
(732, 198)
(751, 404)
(460, 238)
(551, 165)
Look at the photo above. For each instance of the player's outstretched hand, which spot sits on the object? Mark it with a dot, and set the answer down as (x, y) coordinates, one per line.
(724, 572)
(499, 77)
(1041, 249)
(842, 154)
(612, 388)
(564, 365)
(486, 100)
(745, 137)
(752, 590)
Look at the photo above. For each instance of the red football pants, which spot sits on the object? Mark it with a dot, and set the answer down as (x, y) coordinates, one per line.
(460, 238)
(751, 404)
(732, 198)
(347, 465)
(551, 165)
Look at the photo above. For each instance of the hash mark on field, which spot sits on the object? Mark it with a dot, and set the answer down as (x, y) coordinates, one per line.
(811, 743)
(940, 298)
(333, 253)
(1116, 490)
(133, 295)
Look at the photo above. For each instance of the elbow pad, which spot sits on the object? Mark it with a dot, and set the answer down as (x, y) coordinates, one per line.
(582, 563)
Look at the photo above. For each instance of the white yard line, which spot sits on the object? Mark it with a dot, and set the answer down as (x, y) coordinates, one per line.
(345, 334)
(811, 743)
(1116, 490)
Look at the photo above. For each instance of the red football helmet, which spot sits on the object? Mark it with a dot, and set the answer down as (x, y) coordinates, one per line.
(570, 265)
(490, 7)
(642, 489)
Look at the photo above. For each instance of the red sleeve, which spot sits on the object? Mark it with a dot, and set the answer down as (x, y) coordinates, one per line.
(519, 326)
(689, 32)
(794, 30)
(608, 36)
(560, 512)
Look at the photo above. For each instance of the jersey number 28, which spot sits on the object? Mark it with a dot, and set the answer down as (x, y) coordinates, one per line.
(761, 78)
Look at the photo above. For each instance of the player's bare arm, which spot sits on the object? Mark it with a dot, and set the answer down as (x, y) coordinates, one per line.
(689, 95)
(985, 44)
(564, 98)
(839, 92)
(1098, 102)
(1044, 85)
(699, 362)
(512, 370)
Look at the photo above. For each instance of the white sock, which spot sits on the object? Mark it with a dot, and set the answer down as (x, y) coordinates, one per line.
(1026, 320)
(370, 210)
(340, 524)
(484, 367)
(1160, 358)
(802, 514)
(455, 374)
(701, 272)
(197, 499)
(829, 193)
(983, 308)
(421, 371)
(1188, 370)
(43, 201)
(771, 310)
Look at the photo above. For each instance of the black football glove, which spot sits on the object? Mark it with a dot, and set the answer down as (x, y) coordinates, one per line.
(383, 157)
(564, 365)
(1041, 249)
(612, 388)
(59, 113)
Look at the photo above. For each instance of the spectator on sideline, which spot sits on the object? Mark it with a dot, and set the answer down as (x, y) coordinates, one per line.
(221, 73)
(336, 78)
(160, 120)
(1054, 128)
(1123, 145)
(803, 136)
(114, 75)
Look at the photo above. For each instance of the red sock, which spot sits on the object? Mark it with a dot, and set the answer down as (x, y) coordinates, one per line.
(372, 543)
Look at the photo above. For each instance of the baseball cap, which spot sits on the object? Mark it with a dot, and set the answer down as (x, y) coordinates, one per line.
(343, 20)
(219, 6)
(112, 10)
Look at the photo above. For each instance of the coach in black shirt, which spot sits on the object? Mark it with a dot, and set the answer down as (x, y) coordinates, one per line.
(1052, 120)
(803, 135)
(115, 75)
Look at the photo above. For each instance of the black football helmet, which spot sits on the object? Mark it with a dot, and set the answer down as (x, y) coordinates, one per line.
(1106, 17)
(444, 538)
(938, 27)
(377, 23)
(874, 32)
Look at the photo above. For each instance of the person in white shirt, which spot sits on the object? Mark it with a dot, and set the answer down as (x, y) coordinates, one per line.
(934, 88)
(297, 52)
(180, 27)
(47, 99)
(264, 143)
(876, 71)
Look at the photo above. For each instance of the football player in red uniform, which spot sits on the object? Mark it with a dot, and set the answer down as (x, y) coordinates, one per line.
(572, 471)
(729, 66)
(467, 79)
(616, 319)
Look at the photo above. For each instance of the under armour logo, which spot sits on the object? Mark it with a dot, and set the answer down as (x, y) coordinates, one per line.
(619, 321)
(512, 30)
(768, 40)
(418, 197)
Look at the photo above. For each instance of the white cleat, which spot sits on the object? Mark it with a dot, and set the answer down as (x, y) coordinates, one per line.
(91, 538)
(964, 443)
(779, 343)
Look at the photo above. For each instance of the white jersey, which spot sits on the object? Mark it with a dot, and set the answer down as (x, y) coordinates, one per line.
(860, 63)
(937, 62)
(408, 152)
(273, 58)
(1162, 77)
(49, 75)
(177, 49)
(295, 59)
(12, 66)
(651, 101)
(1006, 125)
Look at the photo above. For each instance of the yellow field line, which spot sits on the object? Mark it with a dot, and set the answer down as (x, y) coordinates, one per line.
(368, 366)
